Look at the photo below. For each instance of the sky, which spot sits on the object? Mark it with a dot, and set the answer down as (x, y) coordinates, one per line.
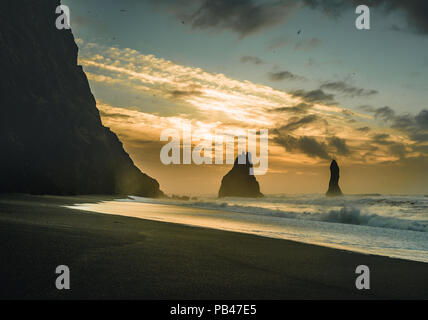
(300, 69)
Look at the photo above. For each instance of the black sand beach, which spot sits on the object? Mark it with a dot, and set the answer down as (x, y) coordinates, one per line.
(116, 257)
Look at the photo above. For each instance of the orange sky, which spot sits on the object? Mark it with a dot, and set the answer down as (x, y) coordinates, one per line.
(305, 133)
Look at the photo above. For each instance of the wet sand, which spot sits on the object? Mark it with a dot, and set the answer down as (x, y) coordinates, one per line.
(117, 257)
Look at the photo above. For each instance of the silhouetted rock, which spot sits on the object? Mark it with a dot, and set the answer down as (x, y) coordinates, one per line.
(238, 182)
(333, 186)
(51, 137)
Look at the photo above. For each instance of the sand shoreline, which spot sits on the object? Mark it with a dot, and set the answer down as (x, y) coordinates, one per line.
(118, 257)
(219, 219)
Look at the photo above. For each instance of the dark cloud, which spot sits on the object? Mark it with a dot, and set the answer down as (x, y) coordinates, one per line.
(394, 148)
(351, 91)
(251, 59)
(315, 96)
(416, 11)
(297, 123)
(422, 119)
(184, 93)
(283, 75)
(416, 127)
(340, 145)
(380, 137)
(106, 114)
(301, 108)
(244, 17)
(384, 113)
(190, 90)
(397, 149)
(348, 113)
(364, 129)
(307, 145)
(402, 122)
(247, 17)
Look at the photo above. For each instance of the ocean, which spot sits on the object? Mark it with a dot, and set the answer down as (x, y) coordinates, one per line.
(388, 225)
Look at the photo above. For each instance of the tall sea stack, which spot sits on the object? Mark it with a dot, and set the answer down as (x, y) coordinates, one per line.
(333, 186)
(51, 137)
(238, 182)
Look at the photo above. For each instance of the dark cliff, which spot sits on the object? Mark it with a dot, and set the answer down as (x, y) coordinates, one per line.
(333, 186)
(52, 140)
(238, 182)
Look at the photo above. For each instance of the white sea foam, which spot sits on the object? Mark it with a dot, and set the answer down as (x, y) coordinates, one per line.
(394, 212)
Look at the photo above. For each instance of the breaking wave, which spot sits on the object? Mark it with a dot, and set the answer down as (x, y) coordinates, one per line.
(358, 211)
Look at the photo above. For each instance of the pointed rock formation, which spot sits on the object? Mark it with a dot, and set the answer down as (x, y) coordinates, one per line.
(333, 186)
(238, 182)
(51, 136)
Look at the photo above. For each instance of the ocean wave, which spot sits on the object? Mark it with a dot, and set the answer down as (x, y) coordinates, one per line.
(354, 216)
(336, 211)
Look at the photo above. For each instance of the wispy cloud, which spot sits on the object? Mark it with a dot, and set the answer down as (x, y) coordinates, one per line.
(283, 75)
(347, 89)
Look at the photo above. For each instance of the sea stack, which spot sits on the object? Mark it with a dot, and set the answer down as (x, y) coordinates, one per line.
(238, 182)
(333, 186)
(51, 135)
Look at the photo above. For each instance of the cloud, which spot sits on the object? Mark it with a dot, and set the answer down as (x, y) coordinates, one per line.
(251, 59)
(300, 108)
(398, 149)
(351, 91)
(340, 145)
(364, 129)
(244, 17)
(283, 75)
(422, 119)
(380, 137)
(384, 113)
(308, 145)
(111, 114)
(315, 96)
(416, 11)
(416, 127)
(190, 91)
(297, 123)
(395, 148)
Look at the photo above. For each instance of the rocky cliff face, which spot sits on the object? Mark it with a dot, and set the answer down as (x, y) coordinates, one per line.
(333, 186)
(51, 137)
(238, 182)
